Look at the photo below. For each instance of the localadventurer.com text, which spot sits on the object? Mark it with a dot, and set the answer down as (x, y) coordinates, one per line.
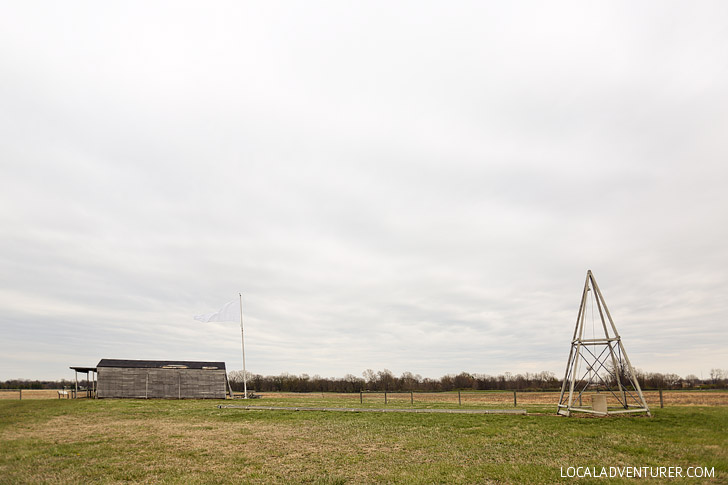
(637, 472)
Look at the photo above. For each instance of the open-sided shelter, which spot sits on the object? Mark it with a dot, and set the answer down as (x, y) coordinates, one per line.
(161, 379)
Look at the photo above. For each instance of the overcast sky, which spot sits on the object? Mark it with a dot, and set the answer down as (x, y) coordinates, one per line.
(417, 186)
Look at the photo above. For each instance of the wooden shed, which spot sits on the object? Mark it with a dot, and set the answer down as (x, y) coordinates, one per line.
(161, 379)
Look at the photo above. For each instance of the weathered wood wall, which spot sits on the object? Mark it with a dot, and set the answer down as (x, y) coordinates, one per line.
(141, 383)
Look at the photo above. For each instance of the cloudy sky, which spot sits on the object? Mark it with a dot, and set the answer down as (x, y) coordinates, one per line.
(417, 186)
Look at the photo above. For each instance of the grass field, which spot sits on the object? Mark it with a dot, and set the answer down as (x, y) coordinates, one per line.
(158, 441)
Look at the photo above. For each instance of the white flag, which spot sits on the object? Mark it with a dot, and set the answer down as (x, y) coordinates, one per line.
(230, 312)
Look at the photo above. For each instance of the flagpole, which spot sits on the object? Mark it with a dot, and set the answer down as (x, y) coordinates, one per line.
(242, 335)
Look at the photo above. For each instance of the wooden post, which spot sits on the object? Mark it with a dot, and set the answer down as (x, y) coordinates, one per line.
(662, 404)
(580, 404)
(146, 387)
(179, 385)
(21, 394)
(229, 387)
(75, 394)
(385, 397)
(515, 401)
(361, 397)
(459, 401)
(412, 397)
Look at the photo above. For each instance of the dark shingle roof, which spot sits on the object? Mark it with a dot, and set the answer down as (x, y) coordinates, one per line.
(158, 364)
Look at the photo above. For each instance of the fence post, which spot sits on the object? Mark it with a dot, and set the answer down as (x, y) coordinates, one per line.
(361, 397)
(459, 401)
(515, 401)
(385, 397)
(412, 397)
(21, 394)
(580, 404)
(662, 404)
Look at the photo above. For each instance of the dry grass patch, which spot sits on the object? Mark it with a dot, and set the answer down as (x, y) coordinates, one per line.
(194, 442)
(274, 450)
(14, 395)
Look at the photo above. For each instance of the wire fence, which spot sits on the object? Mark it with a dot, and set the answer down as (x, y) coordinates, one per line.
(501, 399)
(460, 398)
(23, 394)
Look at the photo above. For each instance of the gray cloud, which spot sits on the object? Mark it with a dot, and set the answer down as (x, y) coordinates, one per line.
(416, 186)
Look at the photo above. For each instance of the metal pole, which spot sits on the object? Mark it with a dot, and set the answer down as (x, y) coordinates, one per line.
(242, 336)
(577, 354)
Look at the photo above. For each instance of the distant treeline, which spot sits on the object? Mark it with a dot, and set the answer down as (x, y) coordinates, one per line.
(385, 380)
(28, 384)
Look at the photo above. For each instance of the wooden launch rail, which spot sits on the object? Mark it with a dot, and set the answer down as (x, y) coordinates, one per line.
(375, 410)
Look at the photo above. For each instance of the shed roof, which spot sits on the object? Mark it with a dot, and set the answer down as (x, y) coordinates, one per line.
(83, 370)
(159, 364)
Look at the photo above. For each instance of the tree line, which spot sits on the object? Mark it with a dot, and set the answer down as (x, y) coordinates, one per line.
(386, 380)
(35, 384)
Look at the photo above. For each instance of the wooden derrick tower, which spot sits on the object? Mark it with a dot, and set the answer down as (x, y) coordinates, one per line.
(598, 367)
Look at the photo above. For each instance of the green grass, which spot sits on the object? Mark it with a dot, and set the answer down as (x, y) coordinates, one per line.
(112, 441)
